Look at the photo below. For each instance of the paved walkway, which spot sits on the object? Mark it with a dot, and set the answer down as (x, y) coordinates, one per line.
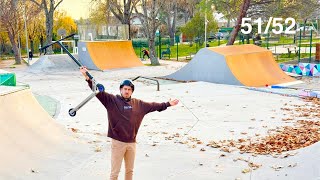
(173, 144)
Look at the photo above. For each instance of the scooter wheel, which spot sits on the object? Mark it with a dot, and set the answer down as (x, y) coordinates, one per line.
(100, 87)
(72, 114)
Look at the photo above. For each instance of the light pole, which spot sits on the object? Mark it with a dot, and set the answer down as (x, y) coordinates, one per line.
(205, 26)
(26, 31)
(19, 44)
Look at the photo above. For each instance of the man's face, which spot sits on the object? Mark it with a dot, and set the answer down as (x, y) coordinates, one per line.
(126, 91)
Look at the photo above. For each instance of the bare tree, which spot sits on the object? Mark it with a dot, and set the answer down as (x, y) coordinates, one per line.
(122, 10)
(187, 7)
(48, 6)
(151, 23)
(10, 17)
(170, 9)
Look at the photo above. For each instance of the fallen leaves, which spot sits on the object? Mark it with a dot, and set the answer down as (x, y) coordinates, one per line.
(292, 165)
(33, 171)
(226, 149)
(303, 134)
(222, 155)
(251, 165)
(289, 138)
(287, 119)
(246, 170)
(214, 144)
(98, 149)
(74, 130)
(277, 167)
(254, 166)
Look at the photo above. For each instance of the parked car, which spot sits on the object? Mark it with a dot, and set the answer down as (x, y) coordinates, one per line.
(211, 38)
(219, 35)
(307, 28)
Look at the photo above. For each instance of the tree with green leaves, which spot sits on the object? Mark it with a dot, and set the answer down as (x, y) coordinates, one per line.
(229, 8)
(63, 21)
(99, 13)
(243, 12)
(196, 26)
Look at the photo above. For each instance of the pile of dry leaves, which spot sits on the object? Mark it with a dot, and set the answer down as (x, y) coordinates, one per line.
(303, 133)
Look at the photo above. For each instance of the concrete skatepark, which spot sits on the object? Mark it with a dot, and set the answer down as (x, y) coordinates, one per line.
(171, 144)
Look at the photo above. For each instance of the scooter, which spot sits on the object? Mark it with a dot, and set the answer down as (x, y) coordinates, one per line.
(95, 86)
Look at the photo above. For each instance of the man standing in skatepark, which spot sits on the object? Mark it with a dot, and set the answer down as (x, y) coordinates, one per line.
(125, 115)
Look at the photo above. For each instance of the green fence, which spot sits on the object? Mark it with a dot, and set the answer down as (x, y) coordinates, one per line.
(178, 51)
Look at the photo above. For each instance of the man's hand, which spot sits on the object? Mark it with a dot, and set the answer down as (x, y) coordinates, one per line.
(173, 102)
(83, 70)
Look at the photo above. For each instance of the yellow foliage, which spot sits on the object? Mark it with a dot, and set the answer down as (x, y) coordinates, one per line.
(63, 21)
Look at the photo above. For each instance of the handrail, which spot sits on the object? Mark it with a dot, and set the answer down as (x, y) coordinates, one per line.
(152, 79)
(45, 47)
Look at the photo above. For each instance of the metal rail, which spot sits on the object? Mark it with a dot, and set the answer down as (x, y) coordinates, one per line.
(152, 79)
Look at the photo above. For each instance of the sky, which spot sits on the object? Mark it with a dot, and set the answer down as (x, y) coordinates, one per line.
(76, 8)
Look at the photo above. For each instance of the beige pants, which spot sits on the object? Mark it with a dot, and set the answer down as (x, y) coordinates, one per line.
(119, 151)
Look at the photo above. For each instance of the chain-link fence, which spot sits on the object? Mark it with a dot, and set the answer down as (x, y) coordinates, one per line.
(180, 50)
(285, 47)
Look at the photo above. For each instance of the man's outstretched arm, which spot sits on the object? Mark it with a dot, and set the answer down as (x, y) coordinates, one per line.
(153, 106)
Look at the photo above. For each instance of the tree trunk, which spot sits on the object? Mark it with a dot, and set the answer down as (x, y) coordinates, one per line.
(171, 34)
(32, 45)
(243, 12)
(150, 25)
(172, 28)
(49, 29)
(2, 45)
(304, 27)
(126, 20)
(152, 49)
(14, 48)
(41, 41)
(186, 17)
(129, 29)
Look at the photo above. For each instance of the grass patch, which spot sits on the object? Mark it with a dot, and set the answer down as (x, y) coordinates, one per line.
(7, 57)
(293, 56)
(152, 65)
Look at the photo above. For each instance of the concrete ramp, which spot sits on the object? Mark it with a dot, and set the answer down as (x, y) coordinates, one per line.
(54, 63)
(245, 65)
(33, 145)
(108, 55)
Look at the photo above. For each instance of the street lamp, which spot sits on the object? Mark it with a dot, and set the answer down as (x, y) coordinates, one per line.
(205, 26)
(26, 31)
